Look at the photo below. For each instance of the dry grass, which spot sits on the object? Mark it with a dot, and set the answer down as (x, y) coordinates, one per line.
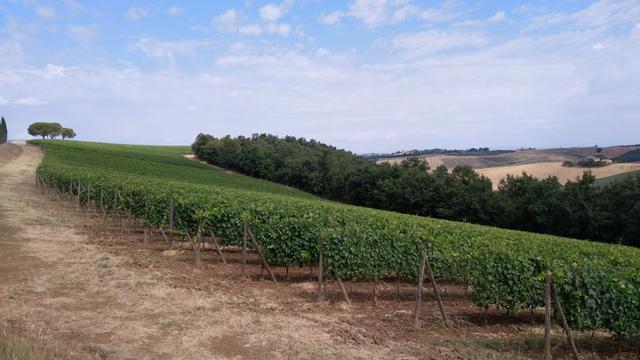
(14, 347)
(544, 170)
(9, 152)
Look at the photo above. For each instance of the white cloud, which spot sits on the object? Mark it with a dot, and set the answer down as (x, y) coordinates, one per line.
(51, 71)
(250, 29)
(331, 18)
(83, 34)
(259, 29)
(373, 13)
(434, 41)
(135, 13)
(449, 10)
(167, 50)
(46, 12)
(175, 10)
(498, 16)
(379, 12)
(270, 12)
(12, 55)
(599, 15)
(227, 20)
(73, 6)
(29, 101)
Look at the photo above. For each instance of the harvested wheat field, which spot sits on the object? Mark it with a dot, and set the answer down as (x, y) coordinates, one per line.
(546, 169)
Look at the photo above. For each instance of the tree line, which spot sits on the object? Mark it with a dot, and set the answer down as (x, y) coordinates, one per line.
(578, 208)
(50, 130)
(472, 151)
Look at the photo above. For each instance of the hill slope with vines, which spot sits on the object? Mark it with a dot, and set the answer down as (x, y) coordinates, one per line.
(599, 284)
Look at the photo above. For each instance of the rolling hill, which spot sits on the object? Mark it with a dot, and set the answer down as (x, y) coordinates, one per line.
(539, 163)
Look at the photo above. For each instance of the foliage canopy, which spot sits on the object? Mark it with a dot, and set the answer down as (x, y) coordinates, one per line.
(577, 209)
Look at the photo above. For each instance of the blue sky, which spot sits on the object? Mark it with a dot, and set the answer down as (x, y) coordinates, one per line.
(365, 75)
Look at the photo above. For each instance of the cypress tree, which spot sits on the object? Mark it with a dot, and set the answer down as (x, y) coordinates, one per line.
(3, 132)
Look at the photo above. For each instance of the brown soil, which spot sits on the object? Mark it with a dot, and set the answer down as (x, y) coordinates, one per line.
(9, 152)
(96, 289)
(196, 158)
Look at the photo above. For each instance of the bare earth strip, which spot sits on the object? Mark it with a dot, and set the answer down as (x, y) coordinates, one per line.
(546, 169)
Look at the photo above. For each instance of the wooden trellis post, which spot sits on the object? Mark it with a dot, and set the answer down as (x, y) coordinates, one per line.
(344, 291)
(547, 318)
(565, 324)
(169, 242)
(244, 253)
(320, 268)
(102, 202)
(259, 250)
(435, 288)
(171, 211)
(89, 195)
(419, 289)
(214, 240)
(115, 204)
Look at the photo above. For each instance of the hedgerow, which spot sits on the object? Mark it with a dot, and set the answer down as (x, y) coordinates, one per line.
(598, 284)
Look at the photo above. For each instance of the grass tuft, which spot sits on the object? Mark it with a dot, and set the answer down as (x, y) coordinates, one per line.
(15, 347)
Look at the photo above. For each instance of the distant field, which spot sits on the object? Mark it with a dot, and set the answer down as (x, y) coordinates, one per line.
(609, 179)
(519, 157)
(546, 169)
(539, 163)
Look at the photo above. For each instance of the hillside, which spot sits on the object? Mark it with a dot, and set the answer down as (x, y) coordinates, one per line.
(602, 181)
(164, 163)
(101, 285)
(358, 243)
(539, 163)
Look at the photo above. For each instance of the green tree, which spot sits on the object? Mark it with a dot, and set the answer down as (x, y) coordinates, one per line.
(3, 131)
(67, 133)
(45, 129)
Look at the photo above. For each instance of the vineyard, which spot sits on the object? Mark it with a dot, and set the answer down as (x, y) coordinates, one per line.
(598, 284)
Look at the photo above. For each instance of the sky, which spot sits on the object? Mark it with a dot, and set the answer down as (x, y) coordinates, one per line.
(364, 75)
